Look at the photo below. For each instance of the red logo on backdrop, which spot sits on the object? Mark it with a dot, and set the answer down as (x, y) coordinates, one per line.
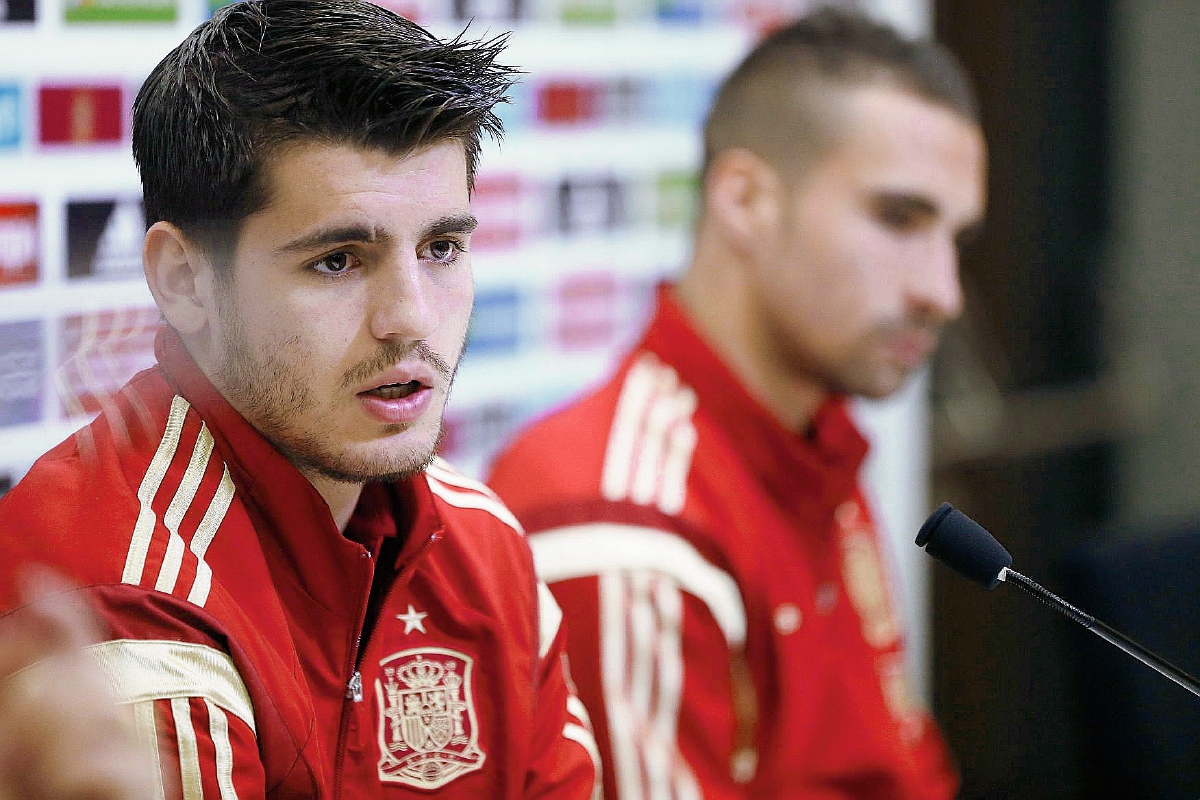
(100, 351)
(563, 101)
(18, 243)
(80, 114)
(496, 200)
(587, 310)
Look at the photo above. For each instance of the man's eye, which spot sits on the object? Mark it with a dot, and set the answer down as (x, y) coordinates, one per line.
(444, 250)
(897, 218)
(334, 263)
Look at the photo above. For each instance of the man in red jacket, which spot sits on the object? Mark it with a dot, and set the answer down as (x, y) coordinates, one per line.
(300, 600)
(699, 516)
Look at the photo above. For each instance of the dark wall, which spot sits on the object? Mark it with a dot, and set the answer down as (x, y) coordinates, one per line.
(1003, 688)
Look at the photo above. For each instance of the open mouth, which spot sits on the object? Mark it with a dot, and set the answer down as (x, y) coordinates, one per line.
(395, 391)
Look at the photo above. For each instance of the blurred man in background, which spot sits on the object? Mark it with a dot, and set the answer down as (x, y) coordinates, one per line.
(699, 517)
(299, 600)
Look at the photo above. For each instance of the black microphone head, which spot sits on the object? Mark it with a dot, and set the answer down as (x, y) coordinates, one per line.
(964, 545)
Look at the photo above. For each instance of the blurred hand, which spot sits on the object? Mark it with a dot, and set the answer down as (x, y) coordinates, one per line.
(62, 734)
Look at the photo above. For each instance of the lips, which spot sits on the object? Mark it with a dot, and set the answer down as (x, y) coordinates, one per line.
(912, 349)
(399, 396)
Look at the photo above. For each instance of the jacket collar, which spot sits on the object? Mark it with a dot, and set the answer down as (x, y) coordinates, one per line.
(809, 472)
(282, 502)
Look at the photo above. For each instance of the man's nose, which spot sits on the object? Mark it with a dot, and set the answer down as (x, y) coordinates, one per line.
(935, 285)
(401, 301)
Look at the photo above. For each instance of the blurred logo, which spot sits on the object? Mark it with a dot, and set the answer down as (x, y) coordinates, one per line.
(18, 243)
(490, 10)
(560, 102)
(470, 433)
(120, 10)
(80, 114)
(100, 352)
(104, 238)
(591, 204)
(22, 362)
(587, 310)
(496, 201)
(18, 10)
(496, 321)
(10, 115)
(588, 12)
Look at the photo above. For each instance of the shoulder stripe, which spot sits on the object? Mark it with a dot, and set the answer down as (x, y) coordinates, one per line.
(677, 462)
(597, 548)
(168, 574)
(139, 546)
(652, 439)
(443, 471)
(636, 394)
(141, 670)
(203, 537)
(474, 500)
(549, 619)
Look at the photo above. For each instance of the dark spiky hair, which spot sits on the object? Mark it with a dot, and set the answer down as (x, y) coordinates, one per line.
(263, 73)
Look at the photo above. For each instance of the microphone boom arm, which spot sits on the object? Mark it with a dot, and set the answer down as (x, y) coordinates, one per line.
(1113, 637)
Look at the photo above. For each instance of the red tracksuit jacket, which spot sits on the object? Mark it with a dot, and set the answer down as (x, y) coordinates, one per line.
(244, 632)
(730, 623)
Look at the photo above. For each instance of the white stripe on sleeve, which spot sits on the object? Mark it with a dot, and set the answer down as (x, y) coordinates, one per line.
(189, 754)
(141, 670)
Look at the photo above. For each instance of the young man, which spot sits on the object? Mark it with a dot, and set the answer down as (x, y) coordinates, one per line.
(303, 602)
(699, 517)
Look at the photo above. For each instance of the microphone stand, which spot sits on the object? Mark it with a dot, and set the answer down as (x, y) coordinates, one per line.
(1120, 640)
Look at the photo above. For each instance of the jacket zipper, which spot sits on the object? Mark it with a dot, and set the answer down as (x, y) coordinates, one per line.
(354, 686)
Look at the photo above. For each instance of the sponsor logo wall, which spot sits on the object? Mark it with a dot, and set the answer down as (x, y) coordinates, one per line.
(585, 206)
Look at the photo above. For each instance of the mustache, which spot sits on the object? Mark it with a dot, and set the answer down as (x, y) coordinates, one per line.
(391, 354)
(913, 323)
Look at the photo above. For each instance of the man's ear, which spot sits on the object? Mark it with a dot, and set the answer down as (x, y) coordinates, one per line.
(180, 276)
(743, 198)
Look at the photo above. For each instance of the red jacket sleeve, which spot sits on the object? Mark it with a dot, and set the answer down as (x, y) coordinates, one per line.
(192, 713)
(565, 761)
(665, 728)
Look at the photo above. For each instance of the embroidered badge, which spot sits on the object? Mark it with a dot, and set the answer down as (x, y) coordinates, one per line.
(866, 582)
(428, 735)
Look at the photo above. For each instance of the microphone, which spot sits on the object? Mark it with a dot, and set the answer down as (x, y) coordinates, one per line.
(965, 546)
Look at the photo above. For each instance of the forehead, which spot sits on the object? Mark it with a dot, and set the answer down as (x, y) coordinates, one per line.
(887, 139)
(311, 181)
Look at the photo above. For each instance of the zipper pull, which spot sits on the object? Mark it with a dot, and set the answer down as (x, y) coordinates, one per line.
(354, 688)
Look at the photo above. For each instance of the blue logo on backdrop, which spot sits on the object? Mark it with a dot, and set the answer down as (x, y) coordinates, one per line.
(22, 362)
(10, 115)
(496, 323)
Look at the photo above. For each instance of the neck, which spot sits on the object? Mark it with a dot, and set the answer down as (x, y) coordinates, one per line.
(341, 497)
(716, 293)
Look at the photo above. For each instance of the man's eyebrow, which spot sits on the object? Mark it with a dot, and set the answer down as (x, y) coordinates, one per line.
(454, 223)
(910, 201)
(338, 234)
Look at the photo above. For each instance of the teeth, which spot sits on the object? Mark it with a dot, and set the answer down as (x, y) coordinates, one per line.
(394, 391)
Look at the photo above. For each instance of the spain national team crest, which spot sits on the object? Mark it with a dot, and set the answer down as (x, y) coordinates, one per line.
(428, 735)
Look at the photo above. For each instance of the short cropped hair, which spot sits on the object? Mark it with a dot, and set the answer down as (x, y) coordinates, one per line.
(264, 73)
(776, 102)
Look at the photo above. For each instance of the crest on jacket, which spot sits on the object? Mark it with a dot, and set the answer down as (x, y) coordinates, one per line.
(428, 735)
